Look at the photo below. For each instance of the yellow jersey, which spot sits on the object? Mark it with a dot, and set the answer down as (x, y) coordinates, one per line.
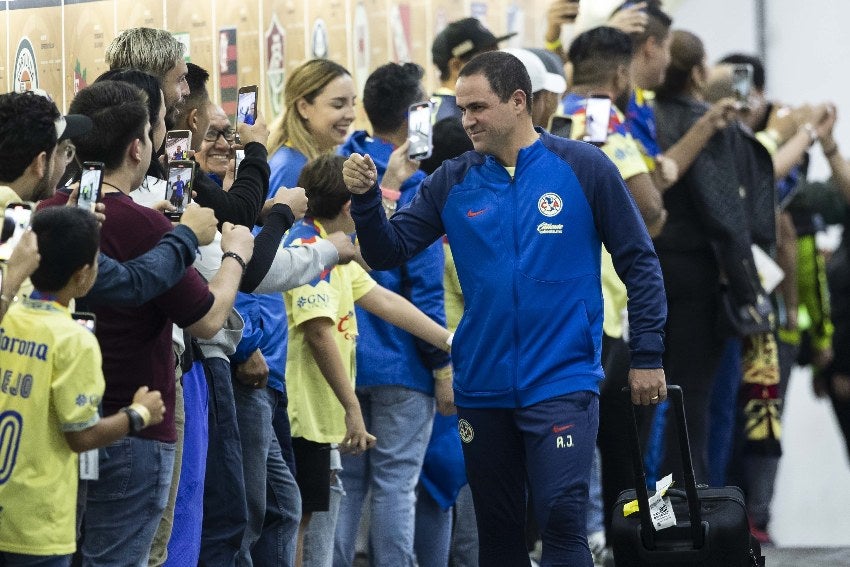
(314, 412)
(50, 382)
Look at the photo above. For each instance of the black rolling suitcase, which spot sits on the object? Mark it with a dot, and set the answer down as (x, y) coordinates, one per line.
(711, 523)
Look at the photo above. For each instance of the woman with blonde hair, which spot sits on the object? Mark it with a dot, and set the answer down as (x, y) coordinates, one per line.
(319, 108)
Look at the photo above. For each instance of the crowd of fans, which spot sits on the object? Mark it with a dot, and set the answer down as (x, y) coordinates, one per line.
(273, 374)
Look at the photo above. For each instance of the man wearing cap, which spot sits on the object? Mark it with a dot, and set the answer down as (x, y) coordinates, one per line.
(547, 87)
(459, 42)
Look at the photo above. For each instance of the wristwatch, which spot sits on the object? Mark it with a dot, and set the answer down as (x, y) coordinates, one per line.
(136, 421)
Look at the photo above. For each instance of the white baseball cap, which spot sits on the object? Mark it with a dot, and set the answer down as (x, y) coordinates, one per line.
(541, 79)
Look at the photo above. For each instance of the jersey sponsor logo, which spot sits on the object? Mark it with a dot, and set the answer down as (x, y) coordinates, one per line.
(21, 347)
(549, 228)
(465, 430)
(344, 324)
(312, 300)
(560, 428)
(472, 214)
(550, 204)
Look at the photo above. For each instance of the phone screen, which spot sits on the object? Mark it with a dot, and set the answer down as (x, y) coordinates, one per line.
(561, 126)
(91, 180)
(16, 220)
(86, 319)
(419, 130)
(597, 118)
(742, 82)
(178, 190)
(239, 156)
(177, 144)
(246, 110)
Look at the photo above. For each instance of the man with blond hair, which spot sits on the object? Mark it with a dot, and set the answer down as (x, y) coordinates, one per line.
(156, 52)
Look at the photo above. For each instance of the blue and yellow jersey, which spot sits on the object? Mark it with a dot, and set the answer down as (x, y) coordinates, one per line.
(622, 149)
(50, 382)
(314, 411)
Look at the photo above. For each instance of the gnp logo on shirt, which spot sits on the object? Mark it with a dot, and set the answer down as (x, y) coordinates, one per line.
(550, 204)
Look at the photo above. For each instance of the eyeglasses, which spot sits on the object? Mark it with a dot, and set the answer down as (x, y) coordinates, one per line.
(68, 150)
(229, 135)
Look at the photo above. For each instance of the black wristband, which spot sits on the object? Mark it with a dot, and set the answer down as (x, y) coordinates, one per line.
(236, 257)
(136, 421)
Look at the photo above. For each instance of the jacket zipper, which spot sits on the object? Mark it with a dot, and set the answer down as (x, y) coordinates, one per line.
(512, 188)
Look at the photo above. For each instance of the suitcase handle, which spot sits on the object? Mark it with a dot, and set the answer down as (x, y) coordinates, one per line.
(674, 393)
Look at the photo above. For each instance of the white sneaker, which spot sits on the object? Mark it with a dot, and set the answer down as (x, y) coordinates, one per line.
(596, 543)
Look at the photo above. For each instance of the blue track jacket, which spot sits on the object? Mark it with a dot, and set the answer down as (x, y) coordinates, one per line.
(527, 252)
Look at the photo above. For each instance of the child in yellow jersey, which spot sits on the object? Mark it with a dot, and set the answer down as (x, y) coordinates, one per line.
(50, 388)
(323, 408)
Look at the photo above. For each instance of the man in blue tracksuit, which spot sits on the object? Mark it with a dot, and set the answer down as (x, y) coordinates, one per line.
(526, 214)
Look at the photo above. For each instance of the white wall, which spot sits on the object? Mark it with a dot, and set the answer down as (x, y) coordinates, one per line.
(807, 50)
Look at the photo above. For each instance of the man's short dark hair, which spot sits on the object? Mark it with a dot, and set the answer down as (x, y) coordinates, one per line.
(758, 66)
(27, 128)
(505, 73)
(196, 78)
(450, 141)
(68, 239)
(596, 54)
(322, 181)
(389, 92)
(145, 81)
(119, 113)
(657, 24)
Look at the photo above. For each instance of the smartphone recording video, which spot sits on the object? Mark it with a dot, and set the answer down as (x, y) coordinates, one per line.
(239, 156)
(16, 219)
(597, 119)
(419, 130)
(86, 319)
(561, 126)
(246, 109)
(742, 83)
(177, 144)
(91, 183)
(178, 190)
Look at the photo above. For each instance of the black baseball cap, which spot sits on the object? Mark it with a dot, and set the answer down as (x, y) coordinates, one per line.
(70, 125)
(463, 38)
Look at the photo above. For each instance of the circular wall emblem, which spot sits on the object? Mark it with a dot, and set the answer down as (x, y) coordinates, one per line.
(550, 204)
(26, 71)
(465, 430)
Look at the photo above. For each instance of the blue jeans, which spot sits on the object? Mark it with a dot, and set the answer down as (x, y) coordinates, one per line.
(464, 552)
(274, 502)
(549, 445)
(124, 506)
(433, 531)
(20, 560)
(319, 535)
(223, 526)
(401, 419)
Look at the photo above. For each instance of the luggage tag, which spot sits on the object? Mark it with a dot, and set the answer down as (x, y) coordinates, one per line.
(89, 465)
(660, 508)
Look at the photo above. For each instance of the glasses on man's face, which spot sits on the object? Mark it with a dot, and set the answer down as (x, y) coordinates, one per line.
(229, 135)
